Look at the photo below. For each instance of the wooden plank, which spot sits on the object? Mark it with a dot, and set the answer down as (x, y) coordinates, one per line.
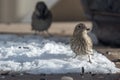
(75, 76)
(57, 28)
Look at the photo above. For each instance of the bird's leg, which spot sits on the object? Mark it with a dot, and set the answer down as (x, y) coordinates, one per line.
(89, 58)
(41, 33)
(36, 33)
(49, 33)
(75, 56)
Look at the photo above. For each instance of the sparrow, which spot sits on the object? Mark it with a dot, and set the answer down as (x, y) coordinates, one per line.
(41, 18)
(81, 43)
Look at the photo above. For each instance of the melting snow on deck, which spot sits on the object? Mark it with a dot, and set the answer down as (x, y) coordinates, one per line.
(35, 55)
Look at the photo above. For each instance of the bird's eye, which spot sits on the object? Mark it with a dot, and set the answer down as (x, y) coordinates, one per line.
(79, 26)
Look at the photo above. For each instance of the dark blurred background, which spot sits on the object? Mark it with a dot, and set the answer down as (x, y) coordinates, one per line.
(21, 10)
(102, 15)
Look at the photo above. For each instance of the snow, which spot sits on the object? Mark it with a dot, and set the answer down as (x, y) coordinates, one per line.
(35, 55)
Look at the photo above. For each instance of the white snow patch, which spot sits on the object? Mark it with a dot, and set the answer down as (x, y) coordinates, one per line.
(35, 55)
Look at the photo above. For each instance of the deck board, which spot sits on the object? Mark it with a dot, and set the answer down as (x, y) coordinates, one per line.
(63, 29)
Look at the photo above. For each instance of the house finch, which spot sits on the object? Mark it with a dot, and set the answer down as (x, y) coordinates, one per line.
(81, 43)
(41, 18)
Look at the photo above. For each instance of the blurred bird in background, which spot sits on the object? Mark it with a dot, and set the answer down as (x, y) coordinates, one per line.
(81, 43)
(41, 18)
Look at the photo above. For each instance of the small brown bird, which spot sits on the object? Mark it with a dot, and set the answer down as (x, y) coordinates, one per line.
(81, 43)
(41, 18)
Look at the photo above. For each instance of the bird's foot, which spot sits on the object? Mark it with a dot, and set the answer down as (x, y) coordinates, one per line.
(90, 61)
(50, 35)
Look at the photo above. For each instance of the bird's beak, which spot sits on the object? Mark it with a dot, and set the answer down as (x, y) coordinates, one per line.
(88, 29)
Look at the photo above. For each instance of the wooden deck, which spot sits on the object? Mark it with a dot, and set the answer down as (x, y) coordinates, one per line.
(57, 28)
(64, 29)
(75, 76)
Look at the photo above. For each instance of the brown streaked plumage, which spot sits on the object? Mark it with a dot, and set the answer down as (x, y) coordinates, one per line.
(81, 43)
